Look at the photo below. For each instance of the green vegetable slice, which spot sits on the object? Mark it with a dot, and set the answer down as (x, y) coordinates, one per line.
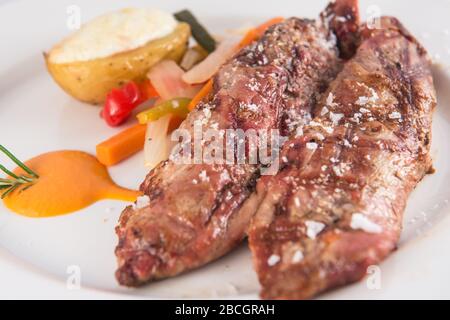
(199, 33)
(178, 106)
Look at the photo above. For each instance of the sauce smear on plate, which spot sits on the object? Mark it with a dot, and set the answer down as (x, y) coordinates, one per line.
(68, 181)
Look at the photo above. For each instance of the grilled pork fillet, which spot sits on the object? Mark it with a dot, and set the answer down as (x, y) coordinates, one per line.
(195, 215)
(336, 206)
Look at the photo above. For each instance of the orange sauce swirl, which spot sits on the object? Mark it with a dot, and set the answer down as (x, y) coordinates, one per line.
(68, 181)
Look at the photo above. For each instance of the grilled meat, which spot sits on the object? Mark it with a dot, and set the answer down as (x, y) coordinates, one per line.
(195, 213)
(335, 207)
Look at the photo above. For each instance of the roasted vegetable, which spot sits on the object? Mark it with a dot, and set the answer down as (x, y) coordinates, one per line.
(166, 78)
(122, 145)
(157, 146)
(207, 88)
(121, 102)
(177, 106)
(90, 81)
(203, 71)
(199, 33)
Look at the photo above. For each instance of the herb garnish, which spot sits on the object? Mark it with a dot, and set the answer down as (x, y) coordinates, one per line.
(14, 181)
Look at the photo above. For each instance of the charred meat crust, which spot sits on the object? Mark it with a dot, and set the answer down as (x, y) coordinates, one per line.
(336, 206)
(343, 17)
(195, 213)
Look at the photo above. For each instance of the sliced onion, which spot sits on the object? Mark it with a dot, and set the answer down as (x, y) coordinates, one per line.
(203, 71)
(166, 78)
(156, 147)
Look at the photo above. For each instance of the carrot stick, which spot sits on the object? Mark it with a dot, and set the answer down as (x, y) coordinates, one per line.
(122, 145)
(200, 95)
(257, 32)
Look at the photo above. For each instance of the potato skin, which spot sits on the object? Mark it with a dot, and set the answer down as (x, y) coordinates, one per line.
(90, 81)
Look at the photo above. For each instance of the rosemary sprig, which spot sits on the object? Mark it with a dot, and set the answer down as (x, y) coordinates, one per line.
(8, 185)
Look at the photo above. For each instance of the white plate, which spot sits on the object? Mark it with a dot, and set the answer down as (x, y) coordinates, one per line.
(36, 116)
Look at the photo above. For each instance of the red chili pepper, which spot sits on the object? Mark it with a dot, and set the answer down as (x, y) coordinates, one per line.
(120, 102)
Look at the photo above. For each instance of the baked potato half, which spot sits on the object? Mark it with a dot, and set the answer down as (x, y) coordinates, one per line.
(90, 81)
